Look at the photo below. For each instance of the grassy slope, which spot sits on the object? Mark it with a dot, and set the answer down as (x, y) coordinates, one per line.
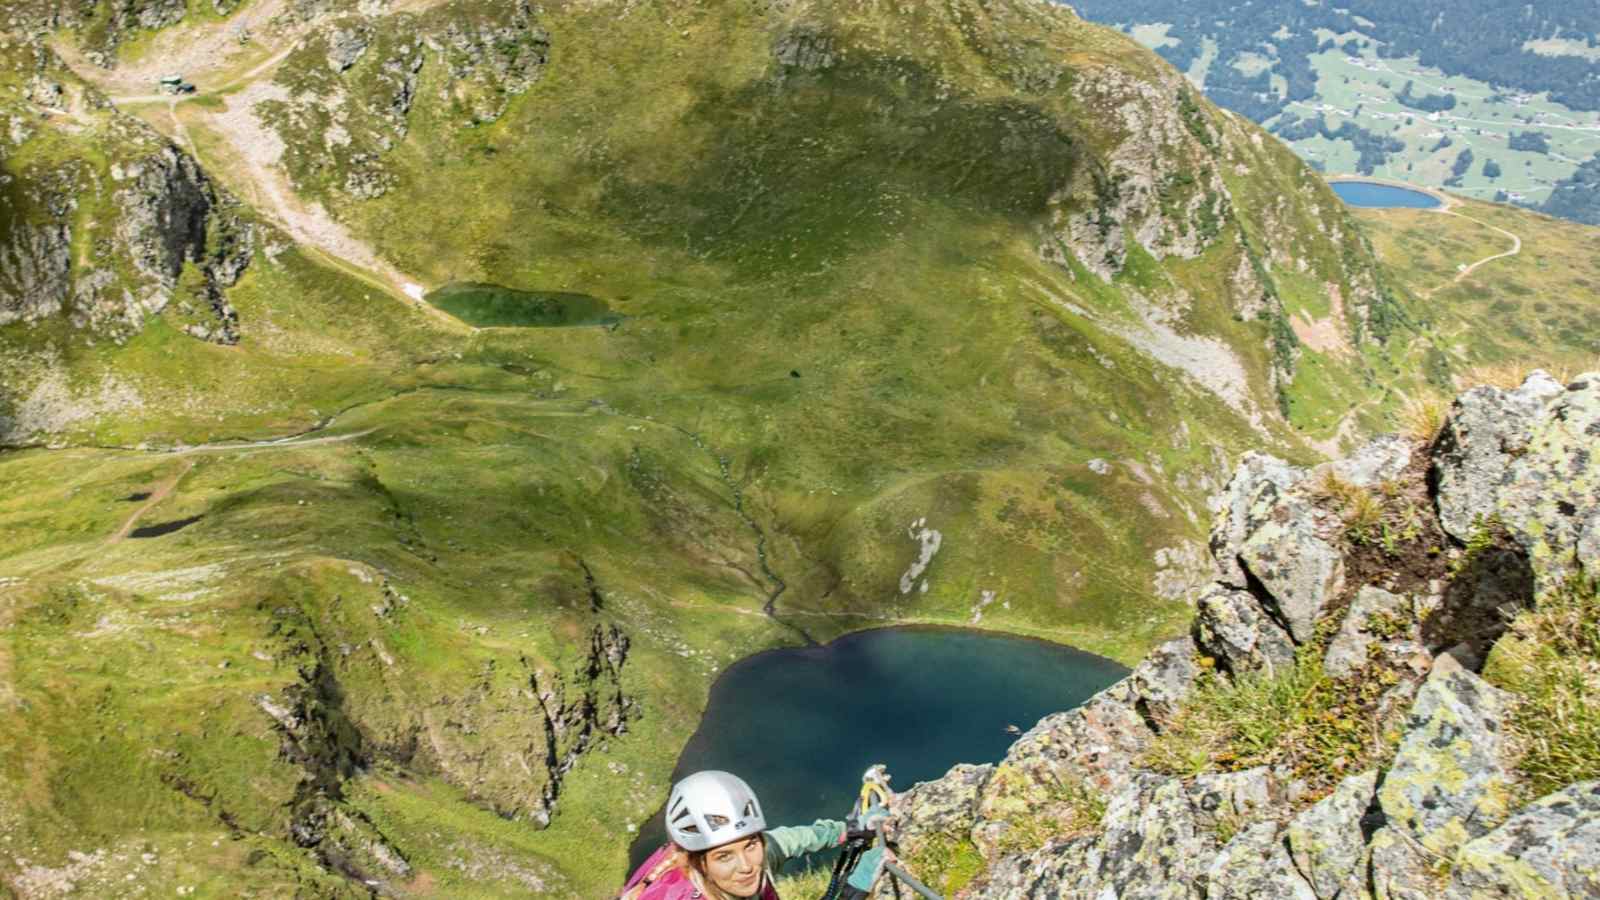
(746, 234)
(1536, 307)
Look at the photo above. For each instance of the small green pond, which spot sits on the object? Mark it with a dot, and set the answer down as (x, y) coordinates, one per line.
(493, 306)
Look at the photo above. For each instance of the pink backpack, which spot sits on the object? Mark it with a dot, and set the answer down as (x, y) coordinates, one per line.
(673, 883)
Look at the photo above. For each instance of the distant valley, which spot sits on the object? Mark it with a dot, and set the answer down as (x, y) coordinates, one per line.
(1497, 101)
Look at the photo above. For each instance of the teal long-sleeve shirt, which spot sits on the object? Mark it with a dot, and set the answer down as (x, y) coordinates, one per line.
(792, 842)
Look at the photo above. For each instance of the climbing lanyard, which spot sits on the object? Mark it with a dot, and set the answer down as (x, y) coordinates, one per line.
(875, 794)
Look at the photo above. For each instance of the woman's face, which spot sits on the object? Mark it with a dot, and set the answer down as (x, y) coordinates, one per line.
(736, 868)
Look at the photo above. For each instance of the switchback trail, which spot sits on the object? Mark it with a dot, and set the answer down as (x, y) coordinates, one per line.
(1516, 247)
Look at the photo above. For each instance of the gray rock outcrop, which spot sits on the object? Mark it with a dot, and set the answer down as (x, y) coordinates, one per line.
(1547, 495)
(1435, 813)
(1486, 429)
(1232, 628)
(1549, 849)
(1326, 841)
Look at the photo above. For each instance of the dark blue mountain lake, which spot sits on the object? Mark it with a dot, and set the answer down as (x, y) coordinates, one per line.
(1371, 195)
(493, 306)
(801, 725)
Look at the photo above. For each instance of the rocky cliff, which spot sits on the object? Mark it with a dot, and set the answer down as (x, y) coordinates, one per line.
(1350, 716)
(103, 222)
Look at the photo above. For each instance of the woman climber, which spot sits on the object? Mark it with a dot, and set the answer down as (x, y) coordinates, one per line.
(721, 848)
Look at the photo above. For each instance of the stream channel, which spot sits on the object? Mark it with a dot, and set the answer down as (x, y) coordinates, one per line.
(801, 724)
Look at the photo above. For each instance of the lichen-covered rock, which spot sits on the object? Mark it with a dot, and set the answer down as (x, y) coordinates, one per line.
(1088, 749)
(1239, 509)
(1486, 429)
(1550, 498)
(1232, 628)
(1375, 617)
(1253, 865)
(946, 805)
(1234, 796)
(1096, 743)
(1400, 868)
(1299, 569)
(1326, 841)
(1382, 459)
(1551, 849)
(1449, 782)
(1163, 679)
(1588, 548)
(1149, 846)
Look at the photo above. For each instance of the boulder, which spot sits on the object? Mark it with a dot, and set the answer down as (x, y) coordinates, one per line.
(1241, 506)
(1381, 460)
(1550, 501)
(1549, 849)
(1163, 679)
(946, 805)
(1300, 571)
(1256, 864)
(1402, 869)
(1486, 429)
(1149, 846)
(1326, 841)
(1449, 783)
(1231, 627)
(1216, 796)
(346, 45)
(1096, 743)
(1375, 617)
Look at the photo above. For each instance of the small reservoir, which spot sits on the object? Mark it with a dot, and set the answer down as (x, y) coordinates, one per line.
(493, 306)
(1372, 195)
(801, 725)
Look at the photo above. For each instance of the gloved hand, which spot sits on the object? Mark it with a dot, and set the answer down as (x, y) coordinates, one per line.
(867, 870)
(865, 824)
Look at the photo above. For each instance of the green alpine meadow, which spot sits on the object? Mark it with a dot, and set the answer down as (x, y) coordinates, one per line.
(408, 409)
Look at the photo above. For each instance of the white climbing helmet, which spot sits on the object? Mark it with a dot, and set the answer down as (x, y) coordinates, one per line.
(711, 808)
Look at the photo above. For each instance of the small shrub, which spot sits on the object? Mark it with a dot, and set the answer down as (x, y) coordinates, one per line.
(1363, 517)
(1550, 659)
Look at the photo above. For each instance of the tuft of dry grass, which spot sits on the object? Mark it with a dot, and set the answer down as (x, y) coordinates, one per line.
(1510, 375)
(1506, 376)
(1422, 417)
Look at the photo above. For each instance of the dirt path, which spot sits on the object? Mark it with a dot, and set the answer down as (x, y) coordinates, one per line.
(161, 492)
(1464, 272)
(1516, 245)
(244, 152)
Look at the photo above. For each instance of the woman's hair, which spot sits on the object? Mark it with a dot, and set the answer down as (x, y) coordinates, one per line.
(692, 863)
